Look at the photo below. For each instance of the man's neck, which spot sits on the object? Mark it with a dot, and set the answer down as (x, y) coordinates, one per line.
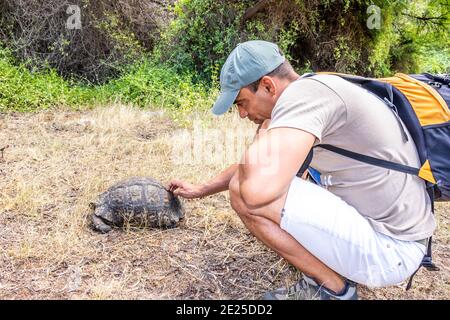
(284, 83)
(294, 76)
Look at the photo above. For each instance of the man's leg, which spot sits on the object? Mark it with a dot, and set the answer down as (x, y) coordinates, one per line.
(264, 224)
(318, 231)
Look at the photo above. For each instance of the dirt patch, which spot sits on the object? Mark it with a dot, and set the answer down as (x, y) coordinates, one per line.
(57, 163)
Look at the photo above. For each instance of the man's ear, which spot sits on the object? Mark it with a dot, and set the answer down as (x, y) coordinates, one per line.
(268, 85)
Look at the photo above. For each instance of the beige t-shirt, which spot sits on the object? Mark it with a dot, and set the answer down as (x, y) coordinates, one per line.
(345, 115)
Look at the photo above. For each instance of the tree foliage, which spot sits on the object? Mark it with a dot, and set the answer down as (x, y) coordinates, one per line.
(315, 35)
(195, 36)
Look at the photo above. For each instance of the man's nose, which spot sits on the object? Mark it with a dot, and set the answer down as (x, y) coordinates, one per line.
(242, 113)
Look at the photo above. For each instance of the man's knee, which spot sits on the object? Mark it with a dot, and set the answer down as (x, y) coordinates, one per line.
(233, 186)
(235, 198)
(270, 212)
(238, 206)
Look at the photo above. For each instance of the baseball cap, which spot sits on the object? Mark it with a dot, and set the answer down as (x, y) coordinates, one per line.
(248, 62)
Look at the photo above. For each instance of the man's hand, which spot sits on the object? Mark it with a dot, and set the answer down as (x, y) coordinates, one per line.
(185, 189)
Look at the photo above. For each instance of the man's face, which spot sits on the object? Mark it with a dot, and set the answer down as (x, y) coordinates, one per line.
(256, 106)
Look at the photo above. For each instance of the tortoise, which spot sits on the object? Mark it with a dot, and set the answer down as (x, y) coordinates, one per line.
(138, 200)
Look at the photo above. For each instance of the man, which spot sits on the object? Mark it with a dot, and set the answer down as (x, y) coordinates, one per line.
(365, 224)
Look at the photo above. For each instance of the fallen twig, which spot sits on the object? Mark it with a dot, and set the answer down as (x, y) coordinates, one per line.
(3, 149)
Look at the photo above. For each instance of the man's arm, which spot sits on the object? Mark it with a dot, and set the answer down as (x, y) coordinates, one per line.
(218, 184)
(270, 164)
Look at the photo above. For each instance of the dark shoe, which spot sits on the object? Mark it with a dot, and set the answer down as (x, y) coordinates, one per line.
(307, 289)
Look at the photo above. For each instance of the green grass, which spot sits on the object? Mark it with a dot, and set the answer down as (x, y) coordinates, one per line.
(144, 84)
(25, 90)
(147, 83)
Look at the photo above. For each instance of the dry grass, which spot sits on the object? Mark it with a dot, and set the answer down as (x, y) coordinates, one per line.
(57, 162)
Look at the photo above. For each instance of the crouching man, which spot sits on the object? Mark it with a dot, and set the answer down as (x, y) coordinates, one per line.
(364, 224)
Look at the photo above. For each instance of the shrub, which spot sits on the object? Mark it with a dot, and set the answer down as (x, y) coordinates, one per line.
(113, 33)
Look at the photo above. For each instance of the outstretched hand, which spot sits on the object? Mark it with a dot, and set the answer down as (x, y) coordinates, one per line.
(185, 189)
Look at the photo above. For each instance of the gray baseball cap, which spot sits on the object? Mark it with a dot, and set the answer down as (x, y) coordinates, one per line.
(248, 62)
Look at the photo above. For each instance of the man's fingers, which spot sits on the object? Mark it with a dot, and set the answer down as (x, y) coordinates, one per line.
(174, 184)
(181, 188)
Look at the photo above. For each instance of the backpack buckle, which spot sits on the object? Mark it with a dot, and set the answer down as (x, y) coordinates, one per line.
(435, 84)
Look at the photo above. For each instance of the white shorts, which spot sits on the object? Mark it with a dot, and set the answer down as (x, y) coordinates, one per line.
(340, 237)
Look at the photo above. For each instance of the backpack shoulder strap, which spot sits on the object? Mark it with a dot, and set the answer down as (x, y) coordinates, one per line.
(371, 160)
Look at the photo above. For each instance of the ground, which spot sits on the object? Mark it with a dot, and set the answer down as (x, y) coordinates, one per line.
(57, 162)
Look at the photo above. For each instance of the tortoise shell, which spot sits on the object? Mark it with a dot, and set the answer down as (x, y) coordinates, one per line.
(139, 200)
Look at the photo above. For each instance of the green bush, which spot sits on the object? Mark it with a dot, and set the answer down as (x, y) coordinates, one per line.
(112, 33)
(25, 90)
(148, 83)
(144, 84)
(201, 36)
(315, 35)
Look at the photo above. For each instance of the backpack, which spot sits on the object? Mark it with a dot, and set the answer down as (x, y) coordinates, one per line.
(422, 103)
